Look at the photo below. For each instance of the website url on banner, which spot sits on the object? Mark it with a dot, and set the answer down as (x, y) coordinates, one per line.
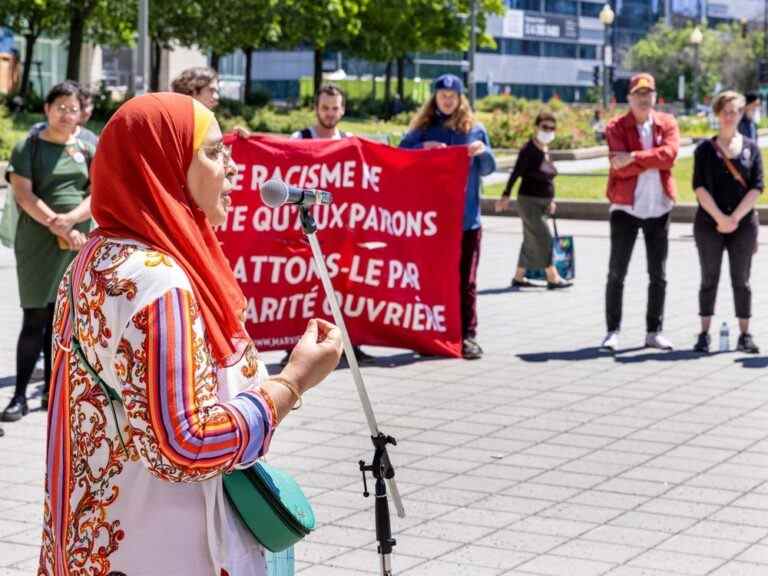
(281, 341)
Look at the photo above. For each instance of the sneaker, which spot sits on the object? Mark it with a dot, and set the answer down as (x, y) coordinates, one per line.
(702, 343)
(657, 340)
(471, 350)
(746, 344)
(611, 341)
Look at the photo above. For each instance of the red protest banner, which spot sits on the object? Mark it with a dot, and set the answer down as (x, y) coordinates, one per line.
(391, 241)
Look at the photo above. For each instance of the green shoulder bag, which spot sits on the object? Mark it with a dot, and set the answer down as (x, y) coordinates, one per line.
(270, 504)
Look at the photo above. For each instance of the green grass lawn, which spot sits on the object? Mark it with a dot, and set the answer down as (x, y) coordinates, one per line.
(591, 186)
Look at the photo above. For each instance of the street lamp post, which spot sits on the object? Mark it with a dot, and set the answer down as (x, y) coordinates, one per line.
(472, 51)
(606, 17)
(142, 50)
(696, 39)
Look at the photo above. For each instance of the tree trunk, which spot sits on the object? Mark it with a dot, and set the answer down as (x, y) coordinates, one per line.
(29, 49)
(248, 88)
(76, 29)
(215, 58)
(401, 78)
(318, 69)
(388, 90)
(156, 58)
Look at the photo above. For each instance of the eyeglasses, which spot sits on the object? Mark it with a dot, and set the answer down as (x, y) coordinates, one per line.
(547, 127)
(219, 152)
(64, 109)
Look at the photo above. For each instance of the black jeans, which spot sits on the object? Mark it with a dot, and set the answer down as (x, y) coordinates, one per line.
(470, 258)
(624, 229)
(36, 336)
(740, 245)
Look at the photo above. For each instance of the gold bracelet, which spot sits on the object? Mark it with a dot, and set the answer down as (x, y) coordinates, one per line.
(270, 403)
(292, 387)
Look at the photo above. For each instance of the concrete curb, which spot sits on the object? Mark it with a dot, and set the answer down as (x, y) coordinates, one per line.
(588, 210)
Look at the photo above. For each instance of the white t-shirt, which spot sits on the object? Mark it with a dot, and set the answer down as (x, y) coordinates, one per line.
(650, 199)
(337, 134)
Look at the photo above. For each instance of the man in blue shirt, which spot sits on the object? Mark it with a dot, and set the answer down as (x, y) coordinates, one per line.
(748, 123)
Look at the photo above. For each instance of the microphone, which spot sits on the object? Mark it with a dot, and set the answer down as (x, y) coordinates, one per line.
(275, 193)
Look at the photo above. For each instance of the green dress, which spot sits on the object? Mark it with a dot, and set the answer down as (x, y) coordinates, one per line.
(59, 175)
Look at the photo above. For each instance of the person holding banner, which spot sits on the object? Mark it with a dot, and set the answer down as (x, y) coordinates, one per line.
(446, 119)
(643, 146)
(727, 179)
(329, 111)
(535, 201)
(157, 389)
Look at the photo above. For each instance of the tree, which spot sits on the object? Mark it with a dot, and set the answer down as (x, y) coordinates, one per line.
(104, 21)
(725, 57)
(322, 25)
(31, 19)
(391, 29)
(257, 25)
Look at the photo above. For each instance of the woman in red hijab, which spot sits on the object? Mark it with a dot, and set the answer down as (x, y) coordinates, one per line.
(149, 337)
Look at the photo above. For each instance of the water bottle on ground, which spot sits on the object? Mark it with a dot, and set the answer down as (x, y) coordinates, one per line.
(725, 338)
(280, 563)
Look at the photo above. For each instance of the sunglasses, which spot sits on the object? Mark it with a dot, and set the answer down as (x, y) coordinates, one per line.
(547, 127)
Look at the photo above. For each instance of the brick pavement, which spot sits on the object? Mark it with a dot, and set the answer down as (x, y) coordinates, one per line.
(546, 457)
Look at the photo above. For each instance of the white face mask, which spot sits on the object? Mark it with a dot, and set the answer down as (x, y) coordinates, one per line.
(545, 137)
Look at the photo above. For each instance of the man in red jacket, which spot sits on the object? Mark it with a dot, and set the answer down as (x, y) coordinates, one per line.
(643, 145)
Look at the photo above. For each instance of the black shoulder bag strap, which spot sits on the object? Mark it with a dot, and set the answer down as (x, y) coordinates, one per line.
(110, 393)
(554, 225)
(306, 134)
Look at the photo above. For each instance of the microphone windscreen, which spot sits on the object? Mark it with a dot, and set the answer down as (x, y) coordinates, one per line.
(274, 193)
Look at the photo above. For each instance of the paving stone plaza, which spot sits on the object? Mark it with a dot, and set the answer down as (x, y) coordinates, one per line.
(545, 457)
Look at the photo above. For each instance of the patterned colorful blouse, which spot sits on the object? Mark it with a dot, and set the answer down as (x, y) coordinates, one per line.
(159, 507)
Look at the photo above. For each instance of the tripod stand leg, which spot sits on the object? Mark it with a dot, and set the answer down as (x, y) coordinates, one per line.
(383, 528)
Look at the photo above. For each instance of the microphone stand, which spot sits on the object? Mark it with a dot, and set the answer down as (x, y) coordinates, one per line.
(381, 467)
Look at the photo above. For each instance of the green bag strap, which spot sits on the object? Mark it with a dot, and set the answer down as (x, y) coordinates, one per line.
(112, 396)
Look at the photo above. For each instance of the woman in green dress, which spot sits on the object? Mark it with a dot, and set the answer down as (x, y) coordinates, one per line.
(49, 179)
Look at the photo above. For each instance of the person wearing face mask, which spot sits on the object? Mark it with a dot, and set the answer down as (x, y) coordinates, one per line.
(446, 119)
(157, 389)
(643, 146)
(535, 201)
(751, 118)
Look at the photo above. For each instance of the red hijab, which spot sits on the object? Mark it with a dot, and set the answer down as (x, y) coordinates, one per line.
(139, 192)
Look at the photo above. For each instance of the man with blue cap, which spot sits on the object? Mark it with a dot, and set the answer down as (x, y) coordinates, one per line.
(447, 120)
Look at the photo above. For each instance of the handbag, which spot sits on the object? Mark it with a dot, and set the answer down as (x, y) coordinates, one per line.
(270, 504)
(563, 257)
(9, 221)
(268, 501)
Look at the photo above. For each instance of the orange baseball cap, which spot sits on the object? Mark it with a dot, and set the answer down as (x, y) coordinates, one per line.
(642, 81)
